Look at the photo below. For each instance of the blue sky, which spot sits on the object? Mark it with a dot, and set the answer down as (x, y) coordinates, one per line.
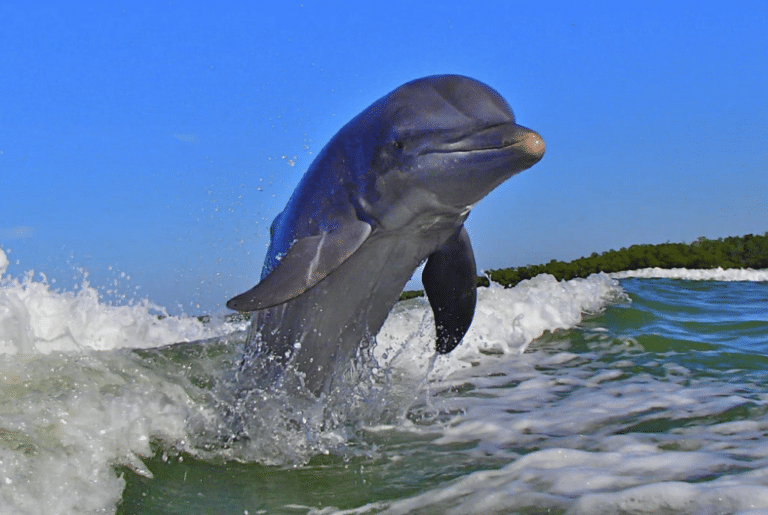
(159, 142)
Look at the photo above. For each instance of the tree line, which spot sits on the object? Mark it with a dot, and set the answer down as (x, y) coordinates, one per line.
(748, 251)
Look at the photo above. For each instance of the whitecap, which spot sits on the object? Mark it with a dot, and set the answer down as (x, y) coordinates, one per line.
(714, 274)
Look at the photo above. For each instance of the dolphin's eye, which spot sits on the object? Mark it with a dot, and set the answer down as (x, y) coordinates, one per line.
(398, 145)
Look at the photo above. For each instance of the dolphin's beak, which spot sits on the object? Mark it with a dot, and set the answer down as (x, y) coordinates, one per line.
(525, 145)
(529, 146)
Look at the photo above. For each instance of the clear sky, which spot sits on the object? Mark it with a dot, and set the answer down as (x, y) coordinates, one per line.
(159, 141)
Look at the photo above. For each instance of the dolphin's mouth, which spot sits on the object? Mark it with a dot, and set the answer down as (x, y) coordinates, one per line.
(523, 142)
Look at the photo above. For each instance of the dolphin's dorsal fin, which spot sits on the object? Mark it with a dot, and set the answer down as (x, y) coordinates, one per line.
(307, 262)
(449, 280)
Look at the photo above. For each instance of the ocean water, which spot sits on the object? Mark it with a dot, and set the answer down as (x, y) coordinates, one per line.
(642, 392)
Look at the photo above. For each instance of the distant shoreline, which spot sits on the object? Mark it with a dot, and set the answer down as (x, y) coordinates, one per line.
(748, 251)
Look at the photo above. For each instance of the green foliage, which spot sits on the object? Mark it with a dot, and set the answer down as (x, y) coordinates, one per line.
(411, 294)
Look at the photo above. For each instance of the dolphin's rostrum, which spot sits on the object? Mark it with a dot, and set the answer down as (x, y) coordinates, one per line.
(391, 189)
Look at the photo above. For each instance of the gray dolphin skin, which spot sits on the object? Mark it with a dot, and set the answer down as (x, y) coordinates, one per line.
(390, 190)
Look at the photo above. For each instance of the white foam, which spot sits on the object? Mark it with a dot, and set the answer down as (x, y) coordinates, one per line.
(506, 320)
(3, 263)
(551, 479)
(714, 274)
(36, 319)
(69, 420)
(70, 412)
(677, 497)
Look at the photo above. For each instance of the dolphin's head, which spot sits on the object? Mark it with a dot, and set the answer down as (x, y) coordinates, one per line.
(441, 143)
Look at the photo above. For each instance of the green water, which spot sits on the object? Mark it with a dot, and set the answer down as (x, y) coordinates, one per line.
(662, 399)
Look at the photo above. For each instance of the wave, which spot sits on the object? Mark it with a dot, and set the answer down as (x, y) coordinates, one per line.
(36, 319)
(506, 321)
(714, 274)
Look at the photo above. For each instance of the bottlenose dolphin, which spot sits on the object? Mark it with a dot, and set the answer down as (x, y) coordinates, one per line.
(391, 189)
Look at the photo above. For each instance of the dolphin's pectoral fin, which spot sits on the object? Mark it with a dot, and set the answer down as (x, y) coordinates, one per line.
(308, 261)
(449, 280)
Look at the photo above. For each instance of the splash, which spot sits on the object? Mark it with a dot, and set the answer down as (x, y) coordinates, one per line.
(34, 319)
(3, 263)
(506, 321)
(267, 416)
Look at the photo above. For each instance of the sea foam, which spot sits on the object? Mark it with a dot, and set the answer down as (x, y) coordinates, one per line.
(37, 319)
(506, 321)
(714, 274)
(73, 405)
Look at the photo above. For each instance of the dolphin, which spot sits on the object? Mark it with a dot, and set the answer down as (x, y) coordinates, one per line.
(390, 190)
